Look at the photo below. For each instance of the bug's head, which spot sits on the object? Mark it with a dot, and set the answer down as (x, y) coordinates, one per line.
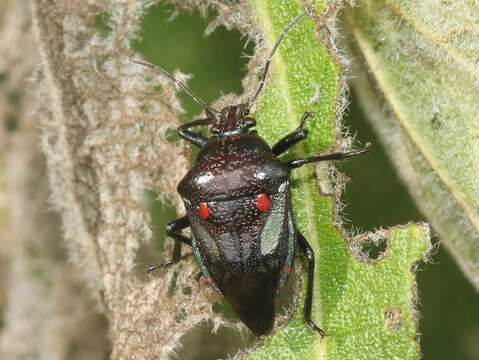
(233, 120)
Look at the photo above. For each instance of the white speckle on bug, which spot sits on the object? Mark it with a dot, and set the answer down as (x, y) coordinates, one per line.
(203, 179)
(283, 186)
(260, 175)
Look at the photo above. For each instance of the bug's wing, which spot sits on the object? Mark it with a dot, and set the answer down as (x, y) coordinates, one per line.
(238, 238)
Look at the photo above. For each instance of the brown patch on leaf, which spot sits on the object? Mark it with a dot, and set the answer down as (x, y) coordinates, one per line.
(393, 318)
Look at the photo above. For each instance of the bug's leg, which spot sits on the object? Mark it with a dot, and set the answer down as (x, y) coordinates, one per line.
(293, 138)
(308, 251)
(325, 157)
(191, 136)
(173, 229)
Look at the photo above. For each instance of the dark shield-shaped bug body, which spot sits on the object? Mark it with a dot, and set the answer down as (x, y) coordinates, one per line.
(245, 239)
(238, 203)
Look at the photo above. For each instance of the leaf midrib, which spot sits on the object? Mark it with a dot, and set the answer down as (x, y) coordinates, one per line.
(281, 77)
(422, 29)
(396, 108)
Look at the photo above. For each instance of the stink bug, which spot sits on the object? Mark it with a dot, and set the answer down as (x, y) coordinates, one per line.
(238, 205)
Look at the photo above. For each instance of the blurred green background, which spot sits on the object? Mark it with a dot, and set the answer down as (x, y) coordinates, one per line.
(374, 197)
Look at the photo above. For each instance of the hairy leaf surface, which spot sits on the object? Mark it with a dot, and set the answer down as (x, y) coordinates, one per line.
(422, 58)
(365, 308)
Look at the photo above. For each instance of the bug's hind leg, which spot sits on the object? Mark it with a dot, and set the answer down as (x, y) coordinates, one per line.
(325, 157)
(174, 229)
(293, 138)
(308, 252)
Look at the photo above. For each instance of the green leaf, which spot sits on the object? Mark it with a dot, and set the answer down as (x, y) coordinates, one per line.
(365, 308)
(368, 307)
(422, 58)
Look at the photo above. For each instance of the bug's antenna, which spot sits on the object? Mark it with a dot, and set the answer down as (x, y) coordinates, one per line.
(185, 88)
(268, 61)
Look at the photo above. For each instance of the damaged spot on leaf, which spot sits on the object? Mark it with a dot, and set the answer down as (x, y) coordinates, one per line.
(370, 248)
(393, 317)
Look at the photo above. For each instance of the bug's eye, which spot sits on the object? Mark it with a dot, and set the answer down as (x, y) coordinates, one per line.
(263, 202)
(203, 211)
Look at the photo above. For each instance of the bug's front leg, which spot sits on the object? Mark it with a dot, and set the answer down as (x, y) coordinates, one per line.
(325, 157)
(293, 138)
(308, 252)
(174, 229)
(195, 138)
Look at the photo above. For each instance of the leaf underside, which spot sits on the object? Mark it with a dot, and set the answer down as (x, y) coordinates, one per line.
(366, 308)
(423, 60)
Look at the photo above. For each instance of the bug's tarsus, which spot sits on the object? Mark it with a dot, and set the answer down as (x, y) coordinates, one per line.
(295, 137)
(268, 60)
(152, 268)
(308, 303)
(307, 115)
(328, 157)
(185, 88)
(166, 264)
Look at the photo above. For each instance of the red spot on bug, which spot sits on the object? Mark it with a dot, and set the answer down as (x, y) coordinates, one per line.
(287, 270)
(263, 202)
(203, 211)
